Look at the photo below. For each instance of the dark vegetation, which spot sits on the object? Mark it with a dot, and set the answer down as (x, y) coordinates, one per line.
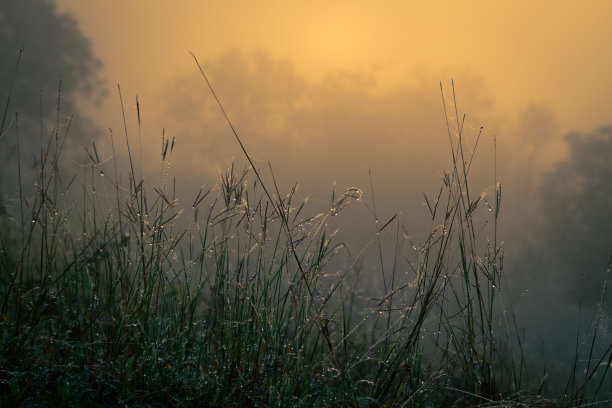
(574, 236)
(114, 295)
(56, 56)
(112, 304)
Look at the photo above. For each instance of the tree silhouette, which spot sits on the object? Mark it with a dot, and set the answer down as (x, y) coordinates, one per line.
(53, 49)
(574, 241)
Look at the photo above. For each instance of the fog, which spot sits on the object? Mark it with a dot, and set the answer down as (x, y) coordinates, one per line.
(331, 127)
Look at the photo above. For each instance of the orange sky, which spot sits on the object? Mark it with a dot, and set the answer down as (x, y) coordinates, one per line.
(550, 52)
(343, 87)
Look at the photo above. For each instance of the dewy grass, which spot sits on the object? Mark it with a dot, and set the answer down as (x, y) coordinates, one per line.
(121, 298)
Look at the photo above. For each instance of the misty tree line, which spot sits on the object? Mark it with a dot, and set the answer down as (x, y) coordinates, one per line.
(572, 236)
(43, 53)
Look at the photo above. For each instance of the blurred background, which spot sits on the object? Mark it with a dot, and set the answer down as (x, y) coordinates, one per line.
(333, 95)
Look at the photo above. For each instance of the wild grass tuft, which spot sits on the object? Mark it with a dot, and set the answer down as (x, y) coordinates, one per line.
(123, 298)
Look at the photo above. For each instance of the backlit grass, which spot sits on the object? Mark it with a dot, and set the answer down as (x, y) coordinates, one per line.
(113, 294)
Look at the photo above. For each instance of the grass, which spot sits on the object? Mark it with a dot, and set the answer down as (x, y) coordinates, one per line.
(122, 298)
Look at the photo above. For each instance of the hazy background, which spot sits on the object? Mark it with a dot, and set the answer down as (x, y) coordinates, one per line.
(328, 92)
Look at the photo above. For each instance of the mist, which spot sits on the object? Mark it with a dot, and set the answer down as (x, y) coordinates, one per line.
(345, 131)
(348, 128)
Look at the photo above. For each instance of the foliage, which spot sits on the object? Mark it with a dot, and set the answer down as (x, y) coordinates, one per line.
(36, 67)
(576, 231)
(123, 298)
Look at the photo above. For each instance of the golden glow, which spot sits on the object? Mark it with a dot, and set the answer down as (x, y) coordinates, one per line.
(550, 51)
(332, 40)
(525, 51)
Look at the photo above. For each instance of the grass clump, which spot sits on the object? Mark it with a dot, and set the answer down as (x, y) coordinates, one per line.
(122, 298)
